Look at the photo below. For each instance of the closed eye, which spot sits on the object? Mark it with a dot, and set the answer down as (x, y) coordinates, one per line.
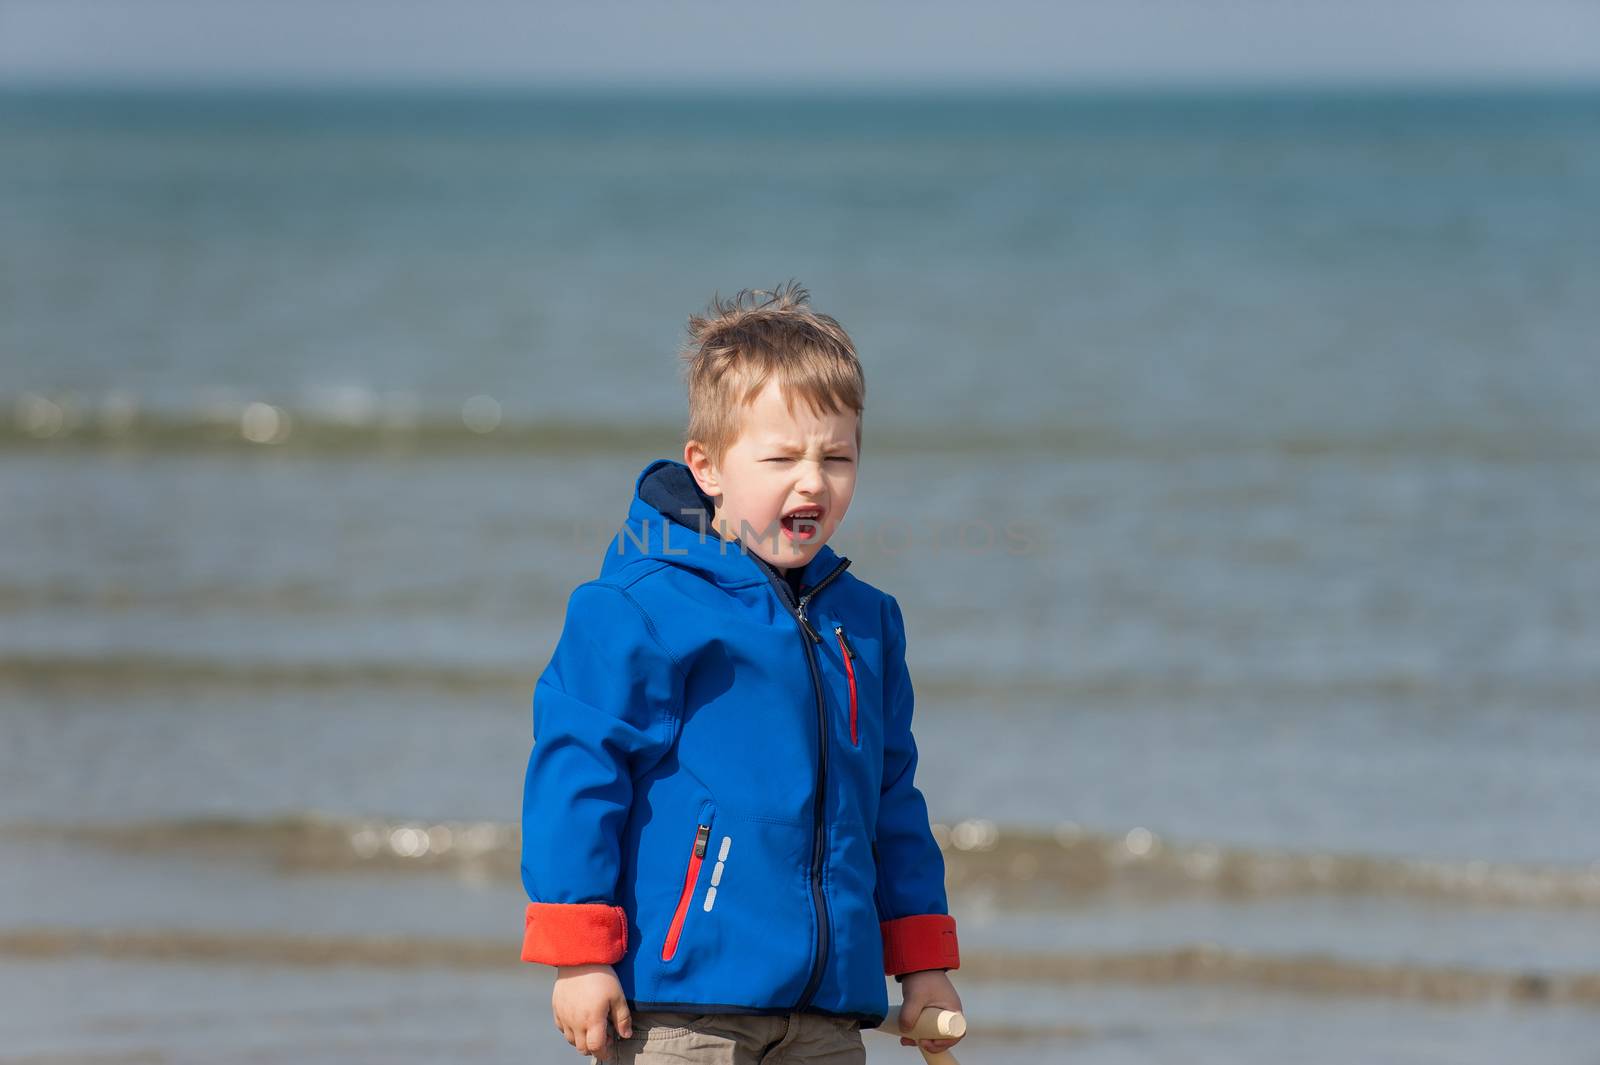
(831, 458)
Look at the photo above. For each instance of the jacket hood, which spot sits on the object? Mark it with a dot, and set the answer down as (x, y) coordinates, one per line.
(669, 520)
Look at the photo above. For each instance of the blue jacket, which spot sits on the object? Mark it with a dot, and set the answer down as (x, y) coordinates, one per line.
(719, 800)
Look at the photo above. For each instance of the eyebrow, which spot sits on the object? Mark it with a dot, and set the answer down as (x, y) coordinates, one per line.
(789, 445)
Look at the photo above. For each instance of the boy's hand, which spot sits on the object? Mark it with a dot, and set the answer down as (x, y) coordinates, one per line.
(585, 998)
(919, 990)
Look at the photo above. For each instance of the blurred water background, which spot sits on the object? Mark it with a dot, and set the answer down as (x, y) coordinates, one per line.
(1233, 456)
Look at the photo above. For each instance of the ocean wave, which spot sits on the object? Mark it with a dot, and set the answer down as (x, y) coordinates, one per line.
(139, 671)
(381, 424)
(127, 672)
(1015, 866)
(1028, 867)
(1193, 965)
(290, 596)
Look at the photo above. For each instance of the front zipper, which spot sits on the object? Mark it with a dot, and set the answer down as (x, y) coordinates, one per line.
(800, 611)
(819, 901)
(690, 878)
(850, 671)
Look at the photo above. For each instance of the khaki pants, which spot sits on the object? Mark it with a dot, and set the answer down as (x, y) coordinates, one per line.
(739, 1039)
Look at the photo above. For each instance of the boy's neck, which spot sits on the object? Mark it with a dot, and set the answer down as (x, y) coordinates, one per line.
(717, 531)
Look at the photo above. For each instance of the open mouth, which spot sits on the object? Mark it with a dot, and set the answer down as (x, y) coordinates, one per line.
(803, 524)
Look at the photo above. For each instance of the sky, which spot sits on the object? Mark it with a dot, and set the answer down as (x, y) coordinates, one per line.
(809, 43)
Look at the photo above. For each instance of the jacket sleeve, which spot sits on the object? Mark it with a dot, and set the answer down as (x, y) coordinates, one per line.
(604, 710)
(918, 931)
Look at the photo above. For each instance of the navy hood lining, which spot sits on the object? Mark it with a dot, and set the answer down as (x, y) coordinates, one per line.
(672, 489)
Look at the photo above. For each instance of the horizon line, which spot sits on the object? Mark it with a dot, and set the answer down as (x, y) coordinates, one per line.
(1131, 84)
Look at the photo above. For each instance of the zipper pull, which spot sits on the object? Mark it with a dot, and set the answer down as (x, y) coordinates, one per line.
(805, 600)
(700, 837)
(806, 624)
(839, 632)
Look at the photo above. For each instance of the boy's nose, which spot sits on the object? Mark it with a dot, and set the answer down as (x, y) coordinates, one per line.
(811, 480)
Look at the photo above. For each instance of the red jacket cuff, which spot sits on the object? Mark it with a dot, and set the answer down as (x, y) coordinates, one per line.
(921, 941)
(574, 933)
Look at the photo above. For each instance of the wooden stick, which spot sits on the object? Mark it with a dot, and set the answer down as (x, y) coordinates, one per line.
(931, 1023)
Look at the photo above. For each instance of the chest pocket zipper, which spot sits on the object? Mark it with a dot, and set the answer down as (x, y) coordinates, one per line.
(850, 672)
(690, 878)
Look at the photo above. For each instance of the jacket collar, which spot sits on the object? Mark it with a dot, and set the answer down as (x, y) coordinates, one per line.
(669, 519)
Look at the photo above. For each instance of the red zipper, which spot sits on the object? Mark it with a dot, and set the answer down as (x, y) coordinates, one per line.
(850, 671)
(690, 878)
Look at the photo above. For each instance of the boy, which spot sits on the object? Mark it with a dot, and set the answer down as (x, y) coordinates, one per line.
(721, 839)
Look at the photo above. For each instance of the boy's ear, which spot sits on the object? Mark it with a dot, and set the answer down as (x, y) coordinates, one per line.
(699, 463)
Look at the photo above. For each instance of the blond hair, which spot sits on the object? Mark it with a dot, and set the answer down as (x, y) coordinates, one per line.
(740, 344)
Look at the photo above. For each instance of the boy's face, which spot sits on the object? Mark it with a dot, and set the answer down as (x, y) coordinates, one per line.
(784, 465)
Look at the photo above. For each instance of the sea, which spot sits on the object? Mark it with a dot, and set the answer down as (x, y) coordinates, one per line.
(1234, 455)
